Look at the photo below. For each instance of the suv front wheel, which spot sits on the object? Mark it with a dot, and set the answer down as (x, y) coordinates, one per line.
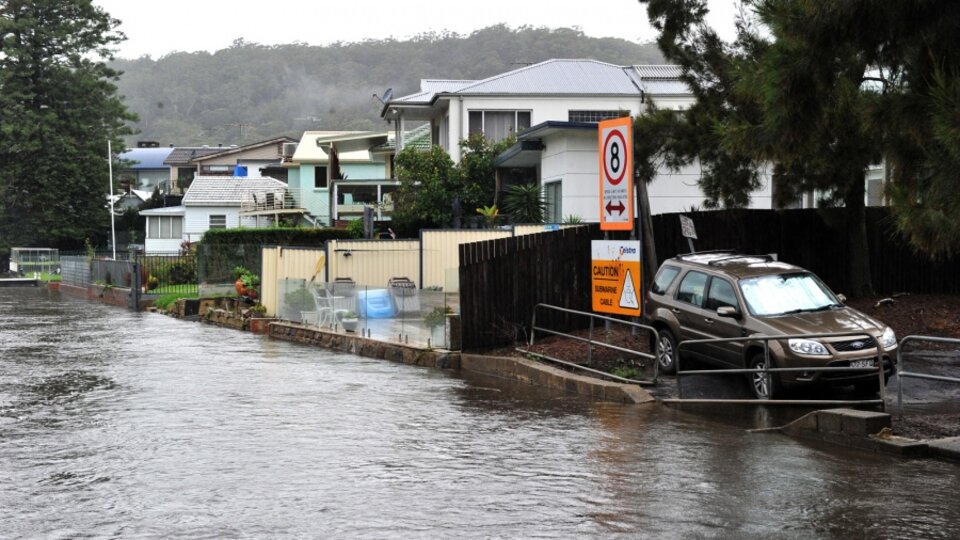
(667, 352)
(763, 385)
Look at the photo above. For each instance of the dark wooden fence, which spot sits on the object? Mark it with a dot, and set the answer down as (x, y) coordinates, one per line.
(816, 240)
(502, 280)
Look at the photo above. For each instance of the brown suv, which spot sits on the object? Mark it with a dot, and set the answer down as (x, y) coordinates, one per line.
(712, 295)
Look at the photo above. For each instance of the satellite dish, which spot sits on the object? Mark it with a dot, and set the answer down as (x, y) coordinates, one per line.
(387, 95)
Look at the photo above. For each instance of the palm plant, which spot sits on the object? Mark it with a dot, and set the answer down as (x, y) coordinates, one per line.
(525, 203)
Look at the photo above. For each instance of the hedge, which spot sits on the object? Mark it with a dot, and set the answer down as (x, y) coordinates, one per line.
(274, 236)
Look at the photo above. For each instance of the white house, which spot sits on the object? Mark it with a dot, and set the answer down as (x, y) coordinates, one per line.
(211, 202)
(553, 107)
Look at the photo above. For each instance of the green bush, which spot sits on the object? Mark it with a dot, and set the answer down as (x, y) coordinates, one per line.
(180, 271)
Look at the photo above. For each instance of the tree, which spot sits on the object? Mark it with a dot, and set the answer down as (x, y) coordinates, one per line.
(434, 192)
(58, 109)
(775, 95)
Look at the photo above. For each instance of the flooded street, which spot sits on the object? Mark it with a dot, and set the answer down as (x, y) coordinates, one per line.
(117, 424)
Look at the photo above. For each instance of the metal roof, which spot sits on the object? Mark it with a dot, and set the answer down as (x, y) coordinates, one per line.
(558, 77)
(226, 190)
(182, 155)
(166, 211)
(661, 80)
(146, 158)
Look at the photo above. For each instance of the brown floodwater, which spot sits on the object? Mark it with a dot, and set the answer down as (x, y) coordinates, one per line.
(119, 424)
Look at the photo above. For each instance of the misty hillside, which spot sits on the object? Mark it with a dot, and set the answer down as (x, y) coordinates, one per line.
(252, 92)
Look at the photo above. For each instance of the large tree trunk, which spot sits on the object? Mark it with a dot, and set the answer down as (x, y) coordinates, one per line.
(861, 282)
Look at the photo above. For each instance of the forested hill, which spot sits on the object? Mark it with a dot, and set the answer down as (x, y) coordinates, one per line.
(250, 92)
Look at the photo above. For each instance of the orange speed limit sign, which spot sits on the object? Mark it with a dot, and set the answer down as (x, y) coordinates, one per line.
(616, 174)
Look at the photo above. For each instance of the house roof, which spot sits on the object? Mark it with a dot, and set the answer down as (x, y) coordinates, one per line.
(146, 158)
(166, 211)
(182, 155)
(661, 79)
(308, 149)
(226, 190)
(556, 77)
(527, 150)
(418, 137)
(240, 149)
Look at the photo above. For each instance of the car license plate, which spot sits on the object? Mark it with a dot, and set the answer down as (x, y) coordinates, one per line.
(870, 362)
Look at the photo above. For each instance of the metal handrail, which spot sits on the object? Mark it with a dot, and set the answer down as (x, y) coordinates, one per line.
(590, 342)
(903, 374)
(767, 369)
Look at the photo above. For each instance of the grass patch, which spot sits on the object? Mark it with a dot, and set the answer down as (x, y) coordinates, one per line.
(185, 290)
(166, 300)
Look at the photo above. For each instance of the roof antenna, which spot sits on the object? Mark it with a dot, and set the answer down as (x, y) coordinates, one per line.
(387, 96)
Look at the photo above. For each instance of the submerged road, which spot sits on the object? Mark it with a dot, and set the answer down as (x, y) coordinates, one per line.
(117, 424)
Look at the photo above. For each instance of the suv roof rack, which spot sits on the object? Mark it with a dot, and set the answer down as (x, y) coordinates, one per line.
(737, 257)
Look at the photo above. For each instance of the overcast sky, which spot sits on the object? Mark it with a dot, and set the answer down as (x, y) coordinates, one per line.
(159, 27)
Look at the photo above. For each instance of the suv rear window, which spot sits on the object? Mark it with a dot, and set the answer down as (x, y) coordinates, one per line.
(692, 288)
(664, 278)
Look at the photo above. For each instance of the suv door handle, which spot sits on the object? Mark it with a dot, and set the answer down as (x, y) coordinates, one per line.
(675, 310)
(708, 320)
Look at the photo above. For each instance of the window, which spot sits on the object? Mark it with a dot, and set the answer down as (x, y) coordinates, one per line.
(552, 196)
(498, 125)
(721, 294)
(594, 116)
(218, 221)
(664, 278)
(320, 177)
(692, 287)
(164, 227)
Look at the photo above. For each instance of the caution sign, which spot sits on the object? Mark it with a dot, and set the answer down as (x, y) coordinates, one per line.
(615, 277)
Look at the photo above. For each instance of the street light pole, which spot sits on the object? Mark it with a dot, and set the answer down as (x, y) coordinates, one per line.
(113, 228)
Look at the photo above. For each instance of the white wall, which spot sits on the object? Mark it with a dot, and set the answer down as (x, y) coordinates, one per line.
(573, 158)
(162, 245)
(197, 219)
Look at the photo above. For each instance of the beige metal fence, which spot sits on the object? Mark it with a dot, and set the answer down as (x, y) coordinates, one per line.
(431, 262)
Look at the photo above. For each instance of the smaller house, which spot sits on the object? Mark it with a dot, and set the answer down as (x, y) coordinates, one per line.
(211, 202)
(131, 198)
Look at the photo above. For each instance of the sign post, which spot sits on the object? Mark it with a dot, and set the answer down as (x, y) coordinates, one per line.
(688, 231)
(615, 277)
(615, 139)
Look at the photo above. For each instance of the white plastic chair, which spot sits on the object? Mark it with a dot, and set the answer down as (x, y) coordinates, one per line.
(325, 307)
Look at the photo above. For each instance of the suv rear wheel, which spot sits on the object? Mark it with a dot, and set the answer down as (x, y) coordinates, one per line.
(667, 352)
(763, 385)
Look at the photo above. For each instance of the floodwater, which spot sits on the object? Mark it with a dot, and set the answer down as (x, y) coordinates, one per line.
(115, 424)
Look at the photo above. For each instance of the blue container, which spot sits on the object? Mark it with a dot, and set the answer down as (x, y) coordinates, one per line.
(375, 304)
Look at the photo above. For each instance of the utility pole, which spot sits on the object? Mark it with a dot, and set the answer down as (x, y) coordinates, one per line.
(113, 227)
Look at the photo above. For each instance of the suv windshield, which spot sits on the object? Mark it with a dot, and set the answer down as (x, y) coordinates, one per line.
(786, 293)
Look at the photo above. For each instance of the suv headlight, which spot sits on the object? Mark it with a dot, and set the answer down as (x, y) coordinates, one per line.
(888, 339)
(808, 346)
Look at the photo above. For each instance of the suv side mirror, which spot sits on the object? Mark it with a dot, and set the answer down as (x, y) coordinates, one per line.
(728, 311)
(842, 298)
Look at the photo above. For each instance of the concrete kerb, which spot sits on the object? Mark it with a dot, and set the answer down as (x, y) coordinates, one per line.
(869, 431)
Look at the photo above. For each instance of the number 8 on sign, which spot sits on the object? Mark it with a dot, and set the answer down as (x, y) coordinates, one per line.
(613, 148)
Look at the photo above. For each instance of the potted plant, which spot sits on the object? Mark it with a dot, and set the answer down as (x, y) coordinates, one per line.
(349, 321)
(258, 310)
(436, 322)
(250, 284)
(238, 273)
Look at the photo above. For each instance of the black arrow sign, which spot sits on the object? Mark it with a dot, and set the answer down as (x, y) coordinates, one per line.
(619, 208)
